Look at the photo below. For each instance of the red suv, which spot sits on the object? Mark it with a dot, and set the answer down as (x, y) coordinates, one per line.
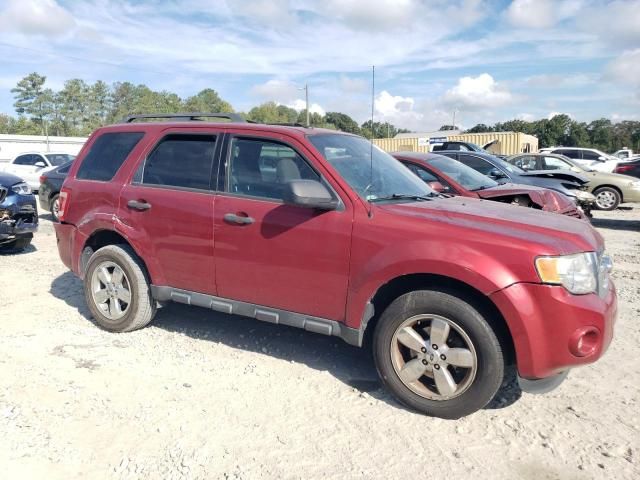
(320, 230)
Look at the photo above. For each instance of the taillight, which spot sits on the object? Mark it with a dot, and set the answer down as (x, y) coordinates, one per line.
(43, 178)
(622, 168)
(63, 200)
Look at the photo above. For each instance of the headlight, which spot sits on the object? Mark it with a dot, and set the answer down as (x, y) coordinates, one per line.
(635, 185)
(585, 196)
(22, 188)
(577, 273)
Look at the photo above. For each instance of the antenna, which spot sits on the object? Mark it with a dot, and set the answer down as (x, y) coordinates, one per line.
(373, 103)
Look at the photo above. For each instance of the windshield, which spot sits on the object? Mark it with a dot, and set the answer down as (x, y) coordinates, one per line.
(575, 164)
(465, 176)
(57, 159)
(373, 177)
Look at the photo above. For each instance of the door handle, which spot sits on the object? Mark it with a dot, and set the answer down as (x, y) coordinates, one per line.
(138, 205)
(233, 218)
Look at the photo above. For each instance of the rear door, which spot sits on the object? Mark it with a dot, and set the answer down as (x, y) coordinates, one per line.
(276, 255)
(170, 203)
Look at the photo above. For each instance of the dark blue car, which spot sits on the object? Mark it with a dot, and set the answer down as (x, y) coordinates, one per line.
(18, 213)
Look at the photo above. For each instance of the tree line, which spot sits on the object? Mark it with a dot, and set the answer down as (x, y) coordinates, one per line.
(80, 107)
(562, 130)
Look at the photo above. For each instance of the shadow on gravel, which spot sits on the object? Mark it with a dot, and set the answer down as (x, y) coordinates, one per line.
(351, 365)
(614, 224)
(5, 252)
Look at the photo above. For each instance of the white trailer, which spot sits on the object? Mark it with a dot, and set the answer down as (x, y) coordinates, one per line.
(13, 145)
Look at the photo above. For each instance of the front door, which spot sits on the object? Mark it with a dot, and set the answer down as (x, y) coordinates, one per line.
(272, 254)
(170, 204)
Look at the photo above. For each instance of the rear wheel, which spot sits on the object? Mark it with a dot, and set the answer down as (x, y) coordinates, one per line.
(437, 354)
(54, 206)
(117, 290)
(607, 198)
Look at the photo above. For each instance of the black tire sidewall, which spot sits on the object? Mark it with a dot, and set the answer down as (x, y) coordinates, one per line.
(51, 202)
(122, 259)
(608, 189)
(490, 372)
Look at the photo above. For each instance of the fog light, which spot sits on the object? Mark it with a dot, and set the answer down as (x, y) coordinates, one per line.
(584, 341)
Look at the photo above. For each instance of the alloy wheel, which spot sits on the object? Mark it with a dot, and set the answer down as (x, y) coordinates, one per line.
(433, 357)
(111, 290)
(605, 199)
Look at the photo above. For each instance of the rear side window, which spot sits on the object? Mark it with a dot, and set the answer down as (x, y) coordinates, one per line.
(183, 161)
(107, 155)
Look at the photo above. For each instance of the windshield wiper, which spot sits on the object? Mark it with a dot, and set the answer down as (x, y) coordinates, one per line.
(481, 187)
(402, 196)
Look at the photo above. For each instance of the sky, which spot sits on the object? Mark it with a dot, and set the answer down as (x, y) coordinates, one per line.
(484, 60)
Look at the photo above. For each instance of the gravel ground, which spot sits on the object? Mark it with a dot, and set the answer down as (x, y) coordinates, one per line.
(204, 395)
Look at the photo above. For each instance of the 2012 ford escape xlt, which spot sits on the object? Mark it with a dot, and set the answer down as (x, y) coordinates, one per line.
(316, 229)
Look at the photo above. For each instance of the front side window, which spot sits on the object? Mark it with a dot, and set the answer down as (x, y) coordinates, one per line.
(589, 155)
(526, 162)
(181, 160)
(107, 154)
(262, 168)
(372, 173)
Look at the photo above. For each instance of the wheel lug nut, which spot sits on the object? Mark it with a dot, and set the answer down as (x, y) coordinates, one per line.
(423, 350)
(442, 357)
(434, 346)
(436, 366)
(424, 362)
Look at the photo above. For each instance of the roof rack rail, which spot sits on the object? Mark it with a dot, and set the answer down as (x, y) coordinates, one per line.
(190, 117)
(289, 124)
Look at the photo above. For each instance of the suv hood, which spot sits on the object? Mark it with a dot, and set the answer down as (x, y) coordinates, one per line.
(559, 174)
(552, 233)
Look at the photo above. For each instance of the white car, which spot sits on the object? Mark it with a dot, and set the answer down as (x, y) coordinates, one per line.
(588, 157)
(29, 166)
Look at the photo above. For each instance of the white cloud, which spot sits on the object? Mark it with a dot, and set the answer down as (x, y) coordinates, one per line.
(278, 90)
(541, 13)
(555, 114)
(374, 14)
(625, 69)
(299, 104)
(36, 17)
(397, 110)
(473, 93)
(527, 117)
(560, 80)
(615, 23)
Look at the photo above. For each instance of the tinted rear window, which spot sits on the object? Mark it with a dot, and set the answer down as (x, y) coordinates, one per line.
(107, 155)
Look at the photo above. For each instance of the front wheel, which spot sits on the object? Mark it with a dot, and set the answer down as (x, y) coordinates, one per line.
(437, 354)
(607, 198)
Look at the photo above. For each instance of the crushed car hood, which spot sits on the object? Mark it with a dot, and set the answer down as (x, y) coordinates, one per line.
(558, 174)
(554, 234)
(545, 199)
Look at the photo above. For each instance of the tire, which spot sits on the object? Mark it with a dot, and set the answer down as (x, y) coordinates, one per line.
(607, 198)
(475, 385)
(128, 304)
(54, 207)
(18, 244)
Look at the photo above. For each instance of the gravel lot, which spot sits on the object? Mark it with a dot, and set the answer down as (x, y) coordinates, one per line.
(203, 395)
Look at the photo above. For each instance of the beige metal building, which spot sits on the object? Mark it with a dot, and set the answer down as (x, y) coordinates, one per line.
(507, 143)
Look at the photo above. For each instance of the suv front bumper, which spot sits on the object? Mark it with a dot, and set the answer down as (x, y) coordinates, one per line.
(550, 327)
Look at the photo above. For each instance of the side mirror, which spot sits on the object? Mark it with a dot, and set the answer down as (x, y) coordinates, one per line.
(496, 174)
(309, 194)
(40, 164)
(602, 159)
(437, 186)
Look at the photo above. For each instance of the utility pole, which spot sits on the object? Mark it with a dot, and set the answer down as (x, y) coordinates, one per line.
(306, 99)
(453, 125)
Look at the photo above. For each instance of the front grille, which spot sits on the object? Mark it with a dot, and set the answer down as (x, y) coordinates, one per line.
(3, 194)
